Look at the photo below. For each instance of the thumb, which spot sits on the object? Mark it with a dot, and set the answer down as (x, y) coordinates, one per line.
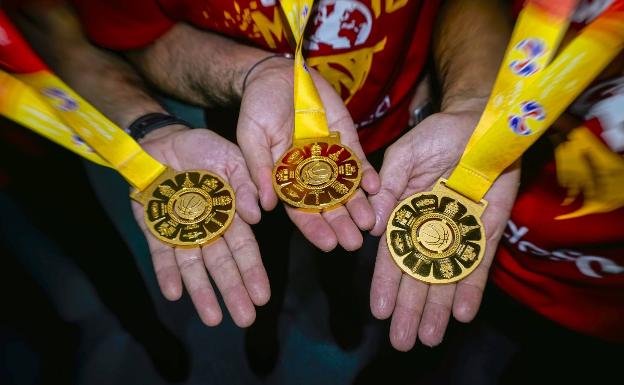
(257, 152)
(349, 137)
(394, 180)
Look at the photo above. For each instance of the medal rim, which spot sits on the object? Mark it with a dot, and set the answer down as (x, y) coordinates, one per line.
(171, 174)
(430, 279)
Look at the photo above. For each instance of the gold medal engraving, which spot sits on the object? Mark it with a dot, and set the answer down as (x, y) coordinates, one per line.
(317, 174)
(187, 209)
(437, 236)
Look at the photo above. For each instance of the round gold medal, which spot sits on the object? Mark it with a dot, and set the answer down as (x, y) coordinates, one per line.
(436, 236)
(188, 209)
(317, 175)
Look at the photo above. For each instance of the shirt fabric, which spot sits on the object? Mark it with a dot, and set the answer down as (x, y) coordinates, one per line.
(557, 256)
(363, 48)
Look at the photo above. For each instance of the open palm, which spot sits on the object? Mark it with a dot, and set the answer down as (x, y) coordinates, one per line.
(233, 261)
(413, 164)
(265, 131)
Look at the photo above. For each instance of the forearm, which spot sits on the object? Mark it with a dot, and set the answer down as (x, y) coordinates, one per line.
(469, 44)
(101, 77)
(197, 66)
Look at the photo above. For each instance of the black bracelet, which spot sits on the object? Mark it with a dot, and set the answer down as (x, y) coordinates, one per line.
(277, 55)
(145, 124)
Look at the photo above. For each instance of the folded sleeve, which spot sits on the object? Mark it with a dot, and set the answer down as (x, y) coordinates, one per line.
(122, 24)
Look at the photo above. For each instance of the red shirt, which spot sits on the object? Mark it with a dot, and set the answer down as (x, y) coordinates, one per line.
(371, 51)
(560, 255)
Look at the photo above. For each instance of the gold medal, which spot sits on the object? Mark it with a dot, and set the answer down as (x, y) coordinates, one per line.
(187, 209)
(437, 236)
(317, 174)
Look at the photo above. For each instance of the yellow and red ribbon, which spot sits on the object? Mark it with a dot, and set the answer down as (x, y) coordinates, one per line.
(310, 119)
(528, 110)
(36, 98)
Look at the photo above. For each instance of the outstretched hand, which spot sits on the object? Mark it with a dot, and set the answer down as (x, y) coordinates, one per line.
(413, 164)
(264, 133)
(233, 261)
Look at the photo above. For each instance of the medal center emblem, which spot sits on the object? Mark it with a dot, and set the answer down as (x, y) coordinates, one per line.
(317, 172)
(190, 206)
(435, 235)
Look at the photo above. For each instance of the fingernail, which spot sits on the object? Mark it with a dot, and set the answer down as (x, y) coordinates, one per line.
(382, 303)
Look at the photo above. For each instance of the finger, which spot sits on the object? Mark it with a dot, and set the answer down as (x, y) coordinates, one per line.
(385, 283)
(257, 153)
(349, 137)
(407, 312)
(394, 179)
(224, 272)
(196, 281)
(246, 193)
(339, 119)
(244, 248)
(470, 290)
(469, 294)
(348, 234)
(314, 228)
(361, 211)
(163, 259)
(436, 314)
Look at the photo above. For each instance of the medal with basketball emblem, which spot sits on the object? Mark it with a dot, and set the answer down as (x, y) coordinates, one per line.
(182, 209)
(317, 174)
(437, 236)
(187, 209)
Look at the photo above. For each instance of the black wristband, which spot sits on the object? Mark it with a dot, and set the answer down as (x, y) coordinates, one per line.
(145, 124)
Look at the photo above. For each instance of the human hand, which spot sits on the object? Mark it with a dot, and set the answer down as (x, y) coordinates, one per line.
(264, 133)
(233, 260)
(413, 164)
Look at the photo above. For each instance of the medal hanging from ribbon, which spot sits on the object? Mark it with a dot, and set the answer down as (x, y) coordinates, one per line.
(317, 173)
(183, 209)
(437, 236)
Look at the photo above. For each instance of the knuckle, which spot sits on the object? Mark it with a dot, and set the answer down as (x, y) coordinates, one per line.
(189, 263)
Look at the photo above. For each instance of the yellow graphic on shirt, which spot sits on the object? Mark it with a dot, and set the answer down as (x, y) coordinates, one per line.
(585, 166)
(390, 6)
(255, 24)
(348, 70)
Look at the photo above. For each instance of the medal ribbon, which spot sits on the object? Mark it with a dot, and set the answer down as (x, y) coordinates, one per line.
(538, 31)
(59, 107)
(310, 120)
(21, 104)
(533, 108)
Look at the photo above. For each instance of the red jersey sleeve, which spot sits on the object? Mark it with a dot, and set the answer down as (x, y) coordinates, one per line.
(122, 24)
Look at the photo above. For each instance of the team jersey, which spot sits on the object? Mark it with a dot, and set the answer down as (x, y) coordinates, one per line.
(371, 51)
(563, 250)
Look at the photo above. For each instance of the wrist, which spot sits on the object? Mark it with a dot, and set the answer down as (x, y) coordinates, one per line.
(162, 132)
(464, 103)
(274, 62)
(153, 125)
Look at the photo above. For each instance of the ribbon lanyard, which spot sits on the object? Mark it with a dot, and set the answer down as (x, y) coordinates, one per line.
(539, 29)
(182, 209)
(317, 173)
(437, 236)
(111, 143)
(23, 105)
(310, 120)
(531, 109)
